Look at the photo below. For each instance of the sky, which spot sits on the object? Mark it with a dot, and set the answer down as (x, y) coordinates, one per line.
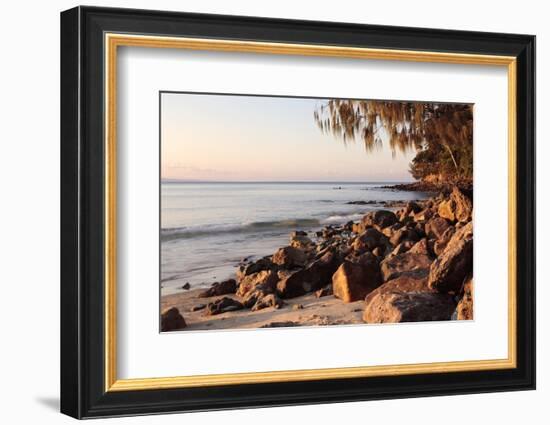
(251, 138)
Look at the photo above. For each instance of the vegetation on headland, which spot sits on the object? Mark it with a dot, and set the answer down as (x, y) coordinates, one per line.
(440, 133)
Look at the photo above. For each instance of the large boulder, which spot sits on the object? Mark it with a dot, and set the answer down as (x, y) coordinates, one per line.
(403, 283)
(228, 286)
(222, 305)
(265, 280)
(404, 234)
(353, 281)
(405, 264)
(441, 243)
(421, 247)
(465, 307)
(315, 276)
(436, 227)
(255, 267)
(171, 320)
(402, 247)
(449, 271)
(393, 307)
(458, 207)
(289, 257)
(379, 219)
(369, 240)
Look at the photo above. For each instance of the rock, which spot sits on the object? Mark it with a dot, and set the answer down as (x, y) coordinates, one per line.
(353, 281)
(404, 234)
(465, 307)
(441, 243)
(223, 305)
(436, 227)
(284, 324)
(390, 230)
(393, 307)
(378, 252)
(358, 227)
(315, 276)
(187, 286)
(423, 215)
(406, 263)
(458, 207)
(411, 207)
(266, 280)
(297, 307)
(449, 271)
(402, 247)
(255, 267)
(379, 218)
(198, 307)
(289, 257)
(270, 300)
(301, 242)
(171, 320)
(402, 284)
(324, 292)
(421, 247)
(298, 233)
(222, 288)
(369, 240)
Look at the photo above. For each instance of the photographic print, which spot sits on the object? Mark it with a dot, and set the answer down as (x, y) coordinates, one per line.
(291, 211)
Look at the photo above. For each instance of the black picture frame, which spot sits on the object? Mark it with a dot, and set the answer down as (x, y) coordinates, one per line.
(83, 392)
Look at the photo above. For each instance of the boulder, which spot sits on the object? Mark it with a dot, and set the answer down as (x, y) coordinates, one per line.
(379, 218)
(390, 230)
(402, 284)
(220, 288)
(353, 281)
(402, 247)
(300, 242)
(423, 215)
(255, 267)
(421, 247)
(449, 271)
(265, 280)
(394, 307)
(314, 276)
(270, 300)
(186, 286)
(458, 207)
(405, 264)
(465, 307)
(441, 243)
(369, 240)
(223, 305)
(436, 227)
(171, 320)
(404, 234)
(289, 257)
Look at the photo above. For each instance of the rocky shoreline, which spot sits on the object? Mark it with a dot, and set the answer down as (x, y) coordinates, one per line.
(412, 264)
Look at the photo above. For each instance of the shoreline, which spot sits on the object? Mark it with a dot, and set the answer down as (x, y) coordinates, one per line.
(397, 263)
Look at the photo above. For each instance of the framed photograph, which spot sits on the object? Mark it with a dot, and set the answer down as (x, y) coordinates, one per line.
(261, 212)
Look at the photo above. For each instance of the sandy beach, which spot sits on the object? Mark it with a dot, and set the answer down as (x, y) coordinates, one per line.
(306, 310)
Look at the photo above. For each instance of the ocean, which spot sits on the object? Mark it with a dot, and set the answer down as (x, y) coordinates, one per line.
(207, 228)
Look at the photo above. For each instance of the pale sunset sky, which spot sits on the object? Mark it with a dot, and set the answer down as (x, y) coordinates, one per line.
(248, 138)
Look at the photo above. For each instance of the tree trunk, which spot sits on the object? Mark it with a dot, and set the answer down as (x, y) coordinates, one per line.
(452, 156)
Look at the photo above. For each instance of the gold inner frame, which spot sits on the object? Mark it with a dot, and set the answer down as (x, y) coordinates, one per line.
(113, 41)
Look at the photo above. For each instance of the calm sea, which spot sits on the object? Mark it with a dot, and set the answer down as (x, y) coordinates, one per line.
(208, 227)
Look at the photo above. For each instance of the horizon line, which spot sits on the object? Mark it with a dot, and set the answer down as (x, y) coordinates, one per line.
(169, 180)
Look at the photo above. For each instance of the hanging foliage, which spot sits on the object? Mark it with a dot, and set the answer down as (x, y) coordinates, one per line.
(440, 133)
